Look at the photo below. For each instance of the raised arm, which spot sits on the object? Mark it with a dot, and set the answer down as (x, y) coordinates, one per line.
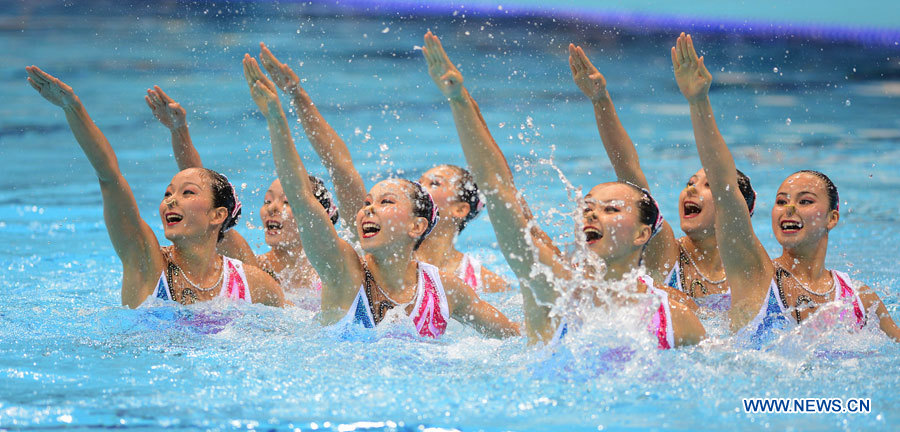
(746, 262)
(520, 248)
(333, 258)
(132, 238)
(348, 184)
(174, 117)
(618, 145)
(662, 250)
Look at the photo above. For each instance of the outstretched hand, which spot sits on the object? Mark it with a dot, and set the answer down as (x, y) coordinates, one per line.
(690, 73)
(586, 76)
(51, 88)
(170, 113)
(262, 89)
(282, 74)
(446, 76)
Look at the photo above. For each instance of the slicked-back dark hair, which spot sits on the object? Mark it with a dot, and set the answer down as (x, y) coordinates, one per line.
(423, 206)
(467, 192)
(834, 200)
(648, 209)
(324, 196)
(224, 195)
(747, 191)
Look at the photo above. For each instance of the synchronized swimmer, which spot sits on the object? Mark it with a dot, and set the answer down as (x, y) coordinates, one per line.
(410, 269)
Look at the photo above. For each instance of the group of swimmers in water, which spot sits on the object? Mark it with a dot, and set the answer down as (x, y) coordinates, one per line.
(400, 261)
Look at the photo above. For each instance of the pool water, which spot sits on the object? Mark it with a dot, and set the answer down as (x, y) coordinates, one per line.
(72, 356)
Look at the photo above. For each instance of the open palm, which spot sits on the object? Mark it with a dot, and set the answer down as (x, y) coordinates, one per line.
(170, 113)
(50, 87)
(446, 76)
(262, 89)
(282, 74)
(586, 76)
(690, 73)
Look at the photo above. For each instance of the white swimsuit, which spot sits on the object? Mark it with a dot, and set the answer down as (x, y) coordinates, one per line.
(430, 313)
(660, 325)
(773, 315)
(234, 282)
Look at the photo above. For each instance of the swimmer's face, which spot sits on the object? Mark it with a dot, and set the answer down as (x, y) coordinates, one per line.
(187, 208)
(801, 215)
(386, 220)
(278, 218)
(441, 182)
(696, 209)
(612, 226)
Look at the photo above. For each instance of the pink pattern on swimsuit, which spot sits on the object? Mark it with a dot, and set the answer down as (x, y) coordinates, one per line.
(846, 292)
(235, 284)
(428, 320)
(658, 325)
(470, 278)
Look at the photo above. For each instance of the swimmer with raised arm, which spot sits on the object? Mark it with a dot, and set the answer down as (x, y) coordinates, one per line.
(689, 264)
(454, 191)
(769, 294)
(286, 261)
(198, 208)
(619, 219)
(395, 218)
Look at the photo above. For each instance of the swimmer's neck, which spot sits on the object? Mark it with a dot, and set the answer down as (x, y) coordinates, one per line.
(196, 259)
(439, 249)
(617, 268)
(705, 252)
(395, 273)
(806, 262)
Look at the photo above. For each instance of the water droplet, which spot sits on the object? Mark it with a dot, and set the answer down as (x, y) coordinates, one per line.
(775, 70)
(847, 102)
(788, 121)
(386, 29)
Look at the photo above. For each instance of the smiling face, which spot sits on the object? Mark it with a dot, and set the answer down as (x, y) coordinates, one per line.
(801, 214)
(187, 208)
(278, 218)
(612, 225)
(697, 212)
(387, 220)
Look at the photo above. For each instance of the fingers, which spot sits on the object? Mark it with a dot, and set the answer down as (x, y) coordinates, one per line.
(440, 50)
(435, 48)
(675, 63)
(34, 85)
(690, 48)
(585, 62)
(269, 61)
(250, 68)
(163, 96)
(39, 76)
(266, 55)
(150, 103)
(259, 88)
(703, 70)
(155, 99)
(679, 52)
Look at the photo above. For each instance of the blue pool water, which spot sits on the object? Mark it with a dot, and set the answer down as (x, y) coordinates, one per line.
(71, 356)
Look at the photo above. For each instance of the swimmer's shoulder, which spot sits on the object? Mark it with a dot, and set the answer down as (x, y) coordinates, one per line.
(263, 287)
